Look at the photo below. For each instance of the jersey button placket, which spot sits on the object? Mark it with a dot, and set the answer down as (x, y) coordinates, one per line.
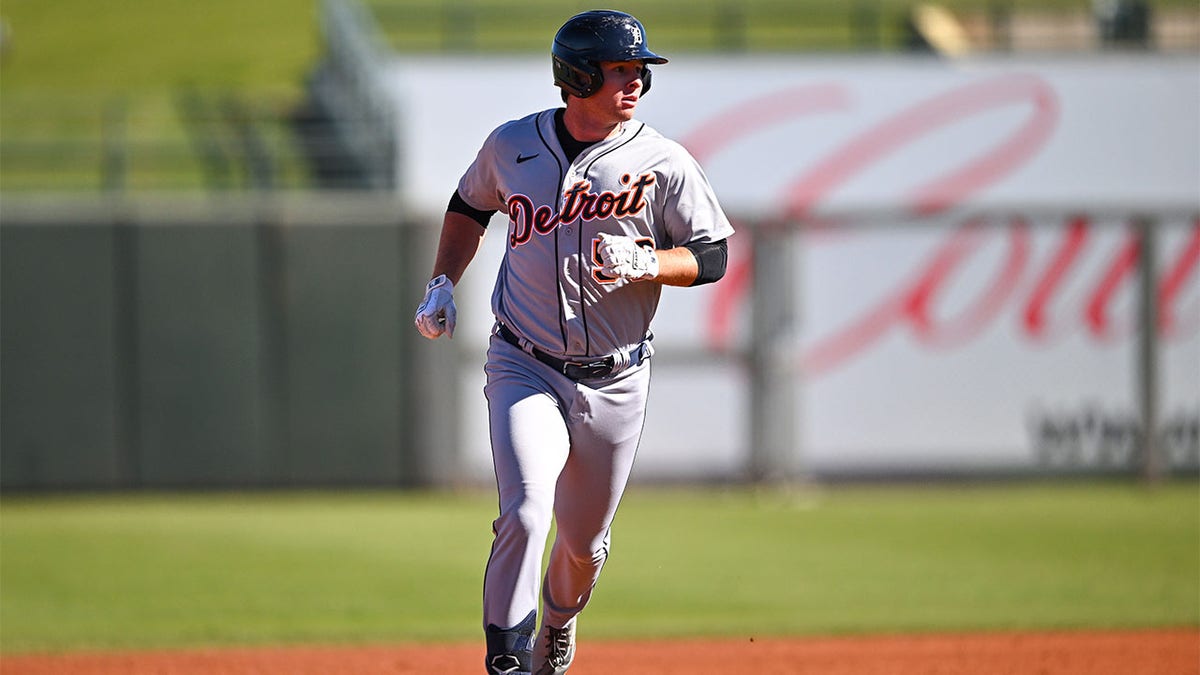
(568, 181)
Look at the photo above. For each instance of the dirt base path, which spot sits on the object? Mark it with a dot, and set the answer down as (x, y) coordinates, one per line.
(1166, 652)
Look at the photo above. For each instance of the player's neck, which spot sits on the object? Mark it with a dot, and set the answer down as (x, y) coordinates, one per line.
(588, 129)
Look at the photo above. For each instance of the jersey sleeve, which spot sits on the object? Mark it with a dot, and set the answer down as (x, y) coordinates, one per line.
(691, 212)
(480, 187)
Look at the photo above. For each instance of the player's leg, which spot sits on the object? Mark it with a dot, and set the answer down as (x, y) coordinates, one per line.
(606, 427)
(529, 447)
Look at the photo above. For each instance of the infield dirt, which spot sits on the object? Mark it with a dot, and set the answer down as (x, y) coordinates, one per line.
(1150, 652)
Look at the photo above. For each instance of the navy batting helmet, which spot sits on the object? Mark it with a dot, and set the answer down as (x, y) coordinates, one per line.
(591, 37)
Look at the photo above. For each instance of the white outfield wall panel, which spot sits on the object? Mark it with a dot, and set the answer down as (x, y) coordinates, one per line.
(929, 340)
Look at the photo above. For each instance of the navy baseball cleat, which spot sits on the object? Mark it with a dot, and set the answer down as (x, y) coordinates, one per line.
(510, 650)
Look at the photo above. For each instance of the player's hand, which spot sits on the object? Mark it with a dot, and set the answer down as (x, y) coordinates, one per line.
(621, 256)
(436, 314)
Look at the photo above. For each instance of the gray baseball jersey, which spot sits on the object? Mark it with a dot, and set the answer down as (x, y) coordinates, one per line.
(549, 288)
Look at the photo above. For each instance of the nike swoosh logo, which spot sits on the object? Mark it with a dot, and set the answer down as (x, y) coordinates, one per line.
(523, 158)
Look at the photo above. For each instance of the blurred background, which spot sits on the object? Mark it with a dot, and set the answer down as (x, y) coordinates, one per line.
(217, 217)
(968, 253)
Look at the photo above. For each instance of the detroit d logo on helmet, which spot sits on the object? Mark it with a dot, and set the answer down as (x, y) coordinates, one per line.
(635, 34)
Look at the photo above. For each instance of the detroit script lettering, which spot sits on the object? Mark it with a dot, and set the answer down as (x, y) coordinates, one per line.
(579, 202)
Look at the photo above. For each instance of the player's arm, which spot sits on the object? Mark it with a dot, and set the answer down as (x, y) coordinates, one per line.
(676, 267)
(690, 265)
(462, 233)
(459, 242)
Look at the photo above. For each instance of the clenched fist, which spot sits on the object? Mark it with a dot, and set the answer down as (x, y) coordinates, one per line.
(436, 314)
(621, 256)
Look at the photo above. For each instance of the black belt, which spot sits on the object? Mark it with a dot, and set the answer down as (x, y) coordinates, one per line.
(576, 370)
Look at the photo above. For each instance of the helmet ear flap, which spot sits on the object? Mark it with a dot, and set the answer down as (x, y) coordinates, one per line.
(584, 81)
(579, 78)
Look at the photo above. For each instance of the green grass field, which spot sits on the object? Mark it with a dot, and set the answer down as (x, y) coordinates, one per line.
(233, 569)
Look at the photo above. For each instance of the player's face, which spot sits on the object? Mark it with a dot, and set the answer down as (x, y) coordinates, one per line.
(618, 97)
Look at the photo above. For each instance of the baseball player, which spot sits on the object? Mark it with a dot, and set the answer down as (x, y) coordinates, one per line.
(602, 212)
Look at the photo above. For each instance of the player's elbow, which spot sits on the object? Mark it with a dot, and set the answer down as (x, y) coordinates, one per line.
(711, 260)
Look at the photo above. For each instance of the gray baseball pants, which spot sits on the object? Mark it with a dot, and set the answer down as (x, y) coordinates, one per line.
(561, 449)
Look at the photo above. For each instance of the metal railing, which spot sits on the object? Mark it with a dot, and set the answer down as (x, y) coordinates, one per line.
(191, 140)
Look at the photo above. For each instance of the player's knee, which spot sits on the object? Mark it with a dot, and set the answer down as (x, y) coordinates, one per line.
(525, 518)
(590, 559)
(584, 555)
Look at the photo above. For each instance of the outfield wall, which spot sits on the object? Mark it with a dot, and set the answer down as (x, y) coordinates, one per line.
(193, 342)
(949, 242)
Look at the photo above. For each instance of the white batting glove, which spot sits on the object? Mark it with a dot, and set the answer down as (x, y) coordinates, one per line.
(621, 256)
(436, 314)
